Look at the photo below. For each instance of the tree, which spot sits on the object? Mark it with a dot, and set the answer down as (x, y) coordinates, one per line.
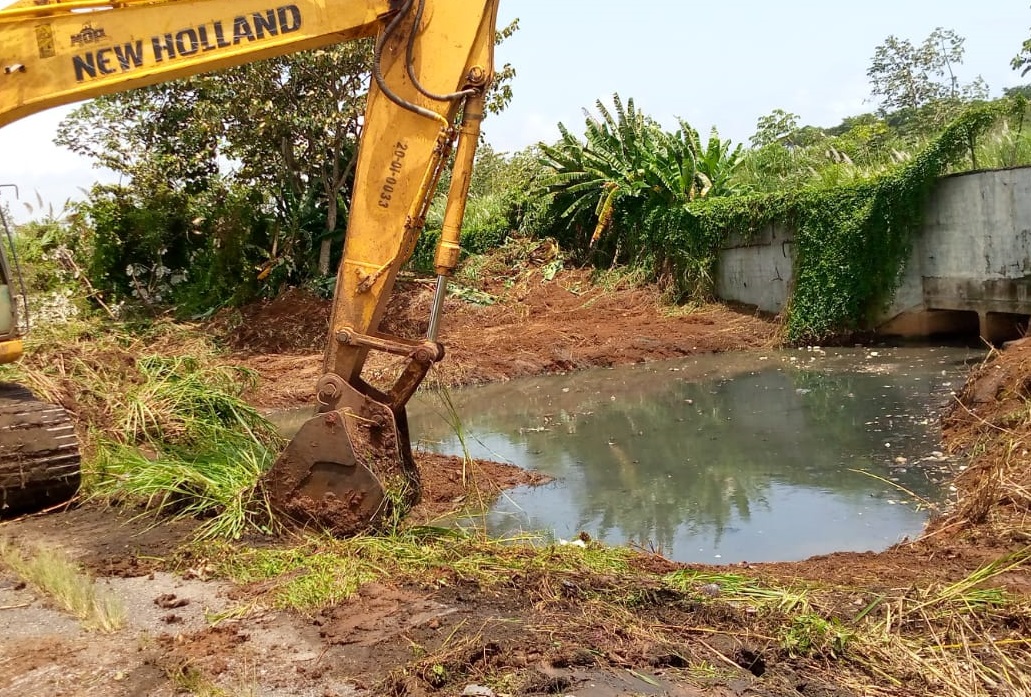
(715, 162)
(1018, 91)
(286, 126)
(500, 93)
(1022, 61)
(775, 127)
(591, 178)
(294, 123)
(147, 135)
(904, 76)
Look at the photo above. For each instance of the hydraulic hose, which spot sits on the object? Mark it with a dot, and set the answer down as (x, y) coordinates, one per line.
(410, 64)
(377, 69)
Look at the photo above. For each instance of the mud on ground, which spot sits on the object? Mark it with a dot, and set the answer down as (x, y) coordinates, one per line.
(539, 632)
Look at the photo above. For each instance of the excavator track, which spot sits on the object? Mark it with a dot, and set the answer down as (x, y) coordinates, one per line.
(39, 453)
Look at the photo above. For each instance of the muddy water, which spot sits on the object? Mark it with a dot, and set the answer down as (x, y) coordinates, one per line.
(719, 458)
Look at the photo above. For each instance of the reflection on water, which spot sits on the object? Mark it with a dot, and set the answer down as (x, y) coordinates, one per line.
(729, 458)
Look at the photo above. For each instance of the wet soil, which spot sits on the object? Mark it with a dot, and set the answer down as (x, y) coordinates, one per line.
(538, 633)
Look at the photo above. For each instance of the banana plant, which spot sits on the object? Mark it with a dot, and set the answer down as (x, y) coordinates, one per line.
(626, 158)
(716, 163)
(591, 177)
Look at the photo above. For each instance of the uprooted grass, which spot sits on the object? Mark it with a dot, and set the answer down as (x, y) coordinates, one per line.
(60, 580)
(161, 418)
(962, 637)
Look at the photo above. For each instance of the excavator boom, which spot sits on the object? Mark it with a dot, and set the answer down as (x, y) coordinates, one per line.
(350, 465)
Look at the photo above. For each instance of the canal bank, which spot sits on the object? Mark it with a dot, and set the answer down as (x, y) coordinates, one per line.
(424, 610)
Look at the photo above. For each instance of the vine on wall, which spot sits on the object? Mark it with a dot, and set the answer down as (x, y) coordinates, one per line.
(851, 242)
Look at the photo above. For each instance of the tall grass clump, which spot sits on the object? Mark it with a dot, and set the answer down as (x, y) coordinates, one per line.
(186, 444)
(60, 580)
(161, 418)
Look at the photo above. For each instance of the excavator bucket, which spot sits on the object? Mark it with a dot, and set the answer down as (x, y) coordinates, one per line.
(346, 470)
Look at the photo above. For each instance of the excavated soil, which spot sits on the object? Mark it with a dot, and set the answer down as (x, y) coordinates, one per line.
(539, 633)
(535, 327)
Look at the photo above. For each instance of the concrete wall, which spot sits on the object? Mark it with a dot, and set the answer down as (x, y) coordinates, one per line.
(973, 255)
(758, 271)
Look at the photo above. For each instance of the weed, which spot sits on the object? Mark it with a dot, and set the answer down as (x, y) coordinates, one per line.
(454, 421)
(707, 672)
(191, 680)
(812, 635)
(621, 278)
(171, 432)
(471, 295)
(736, 588)
(54, 575)
(219, 483)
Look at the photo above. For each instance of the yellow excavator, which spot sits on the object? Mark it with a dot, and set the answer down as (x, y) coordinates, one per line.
(350, 465)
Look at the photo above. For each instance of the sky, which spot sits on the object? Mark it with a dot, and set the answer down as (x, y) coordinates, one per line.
(724, 64)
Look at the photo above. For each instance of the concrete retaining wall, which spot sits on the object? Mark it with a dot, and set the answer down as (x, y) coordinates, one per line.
(973, 256)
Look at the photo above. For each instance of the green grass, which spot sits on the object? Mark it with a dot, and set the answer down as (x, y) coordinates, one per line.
(170, 432)
(735, 588)
(217, 484)
(187, 445)
(67, 586)
(323, 571)
(182, 400)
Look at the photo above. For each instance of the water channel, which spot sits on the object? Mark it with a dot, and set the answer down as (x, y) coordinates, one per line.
(718, 458)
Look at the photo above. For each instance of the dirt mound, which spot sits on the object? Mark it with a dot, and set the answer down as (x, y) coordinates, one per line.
(451, 483)
(991, 422)
(569, 323)
(295, 321)
(531, 324)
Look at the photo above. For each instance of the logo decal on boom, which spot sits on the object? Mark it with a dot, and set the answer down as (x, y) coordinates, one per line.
(45, 41)
(184, 43)
(88, 35)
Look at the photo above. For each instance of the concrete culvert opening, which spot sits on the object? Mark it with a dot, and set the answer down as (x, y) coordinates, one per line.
(933, 324)
(999, 327)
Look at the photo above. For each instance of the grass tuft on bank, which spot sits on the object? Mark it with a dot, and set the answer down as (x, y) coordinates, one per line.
(162, 420)
(65, 585)
(321, 571)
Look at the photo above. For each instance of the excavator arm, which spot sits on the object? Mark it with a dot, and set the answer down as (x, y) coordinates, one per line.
(351, 465)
